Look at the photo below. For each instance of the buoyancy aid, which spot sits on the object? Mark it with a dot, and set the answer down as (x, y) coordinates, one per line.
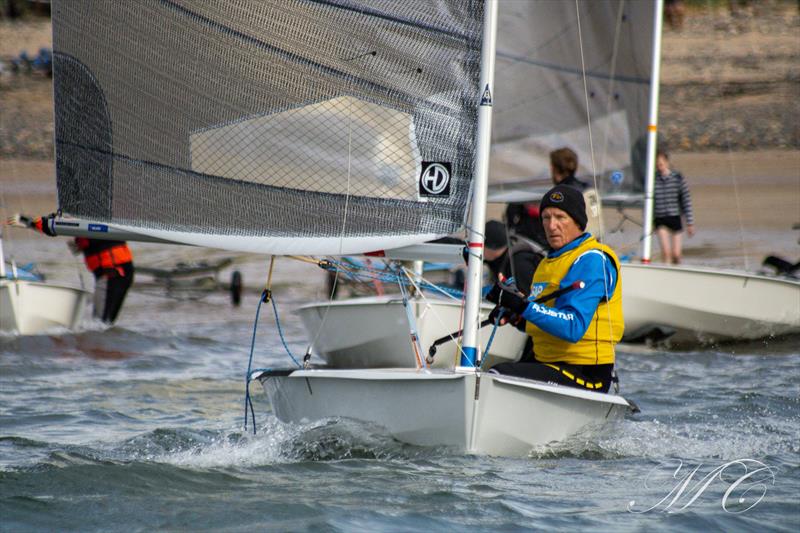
(101, 254)
(596, 347)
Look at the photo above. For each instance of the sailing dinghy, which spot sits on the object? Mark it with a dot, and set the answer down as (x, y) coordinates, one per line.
(695, 304)
(305, 127)
(30, 306)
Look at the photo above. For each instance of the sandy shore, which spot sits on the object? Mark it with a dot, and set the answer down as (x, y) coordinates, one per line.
(760, 189)
(745, 204)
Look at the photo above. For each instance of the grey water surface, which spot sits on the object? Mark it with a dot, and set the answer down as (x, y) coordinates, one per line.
(139, 427)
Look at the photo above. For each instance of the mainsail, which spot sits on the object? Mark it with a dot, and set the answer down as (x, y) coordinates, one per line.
(279, 126)
(543, 50)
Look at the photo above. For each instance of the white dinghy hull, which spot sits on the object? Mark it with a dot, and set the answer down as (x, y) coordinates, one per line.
(32, 307)
(382, 340)
(475, 413)
(707, 305)
(516, 414)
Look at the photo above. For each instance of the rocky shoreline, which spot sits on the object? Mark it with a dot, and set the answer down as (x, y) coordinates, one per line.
(730, 82)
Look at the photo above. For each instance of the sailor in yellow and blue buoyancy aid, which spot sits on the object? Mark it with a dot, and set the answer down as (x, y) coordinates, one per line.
(574, 335)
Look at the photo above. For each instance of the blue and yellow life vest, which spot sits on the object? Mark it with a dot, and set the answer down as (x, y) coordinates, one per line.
(604, 331)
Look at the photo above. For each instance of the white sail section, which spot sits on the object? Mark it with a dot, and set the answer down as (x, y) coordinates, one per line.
(528, 157)
(343, 143)
(280, 245)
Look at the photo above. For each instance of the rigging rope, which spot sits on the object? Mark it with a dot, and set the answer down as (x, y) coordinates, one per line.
(491, 338)
(734, 179)
(459, 351)
(365, 273)
(248, 402)
(611, 80)
(266, 296)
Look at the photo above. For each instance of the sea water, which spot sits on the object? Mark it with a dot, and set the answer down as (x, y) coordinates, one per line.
(139, 427)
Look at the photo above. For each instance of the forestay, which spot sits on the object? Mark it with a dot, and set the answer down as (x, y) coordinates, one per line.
(540, 97)
(281, 126)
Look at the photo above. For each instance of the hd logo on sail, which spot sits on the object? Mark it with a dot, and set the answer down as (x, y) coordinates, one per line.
(434, 179)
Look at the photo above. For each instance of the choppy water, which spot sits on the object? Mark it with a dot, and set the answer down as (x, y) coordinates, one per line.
(139, 428)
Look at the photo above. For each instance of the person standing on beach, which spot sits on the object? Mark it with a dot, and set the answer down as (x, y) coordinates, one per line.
(672, 205)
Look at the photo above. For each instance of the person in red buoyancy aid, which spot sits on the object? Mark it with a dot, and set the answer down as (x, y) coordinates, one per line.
(111, 263)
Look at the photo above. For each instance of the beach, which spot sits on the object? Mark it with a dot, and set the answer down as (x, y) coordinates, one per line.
(745, 204)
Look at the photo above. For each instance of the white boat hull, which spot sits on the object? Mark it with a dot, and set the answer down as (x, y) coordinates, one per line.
(705, 305)
(32, 307)
(484, 414)
(373, 332)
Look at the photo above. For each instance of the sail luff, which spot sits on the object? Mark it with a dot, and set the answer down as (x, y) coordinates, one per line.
(652, 135)
(471, 352)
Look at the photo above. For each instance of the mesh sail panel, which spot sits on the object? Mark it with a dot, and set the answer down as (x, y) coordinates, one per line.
(540, 104)
(260, 119)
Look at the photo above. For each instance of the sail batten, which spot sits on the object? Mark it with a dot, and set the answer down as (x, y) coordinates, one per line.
(258, 119)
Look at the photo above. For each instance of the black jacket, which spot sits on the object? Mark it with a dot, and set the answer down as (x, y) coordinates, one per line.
(519, 261)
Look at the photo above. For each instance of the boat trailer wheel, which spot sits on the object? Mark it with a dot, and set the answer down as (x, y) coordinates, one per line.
(236, 288)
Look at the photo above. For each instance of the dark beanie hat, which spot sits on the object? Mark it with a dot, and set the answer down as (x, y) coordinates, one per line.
(495, 237)
(568, 199)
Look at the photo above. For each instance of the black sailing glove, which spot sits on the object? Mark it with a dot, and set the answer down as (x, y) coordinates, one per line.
(494, 293)
(495, 314)
(506, 294)
(504, 285)
(514, 303)
(507, 317)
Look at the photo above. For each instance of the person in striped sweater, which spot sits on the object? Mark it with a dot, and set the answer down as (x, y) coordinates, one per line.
(672, 205)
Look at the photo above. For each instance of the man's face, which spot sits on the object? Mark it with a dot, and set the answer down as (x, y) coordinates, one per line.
(559, 228)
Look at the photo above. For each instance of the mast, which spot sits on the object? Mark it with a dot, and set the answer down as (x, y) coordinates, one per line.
(652, 139)
(480, 185)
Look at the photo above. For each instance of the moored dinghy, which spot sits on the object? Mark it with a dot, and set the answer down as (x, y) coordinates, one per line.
(702, 305)
(33, 307)
(698, 304)
(372, 332)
